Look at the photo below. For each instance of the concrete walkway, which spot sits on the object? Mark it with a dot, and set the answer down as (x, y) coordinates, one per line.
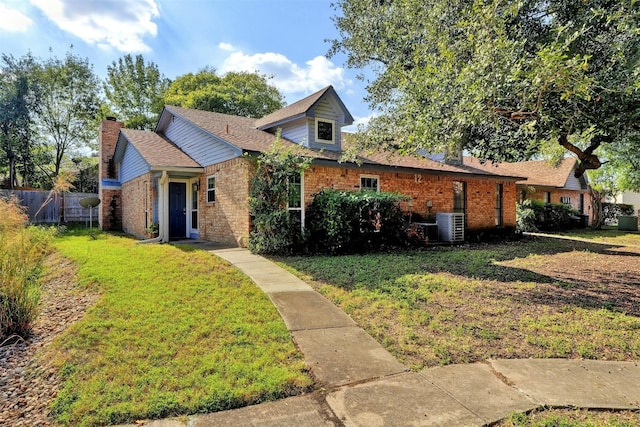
(361, 384)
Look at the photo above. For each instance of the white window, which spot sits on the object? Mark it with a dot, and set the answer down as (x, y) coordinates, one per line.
(295, 200)
(565, 200)
(211, 189)
(325, 131)
(369, 183)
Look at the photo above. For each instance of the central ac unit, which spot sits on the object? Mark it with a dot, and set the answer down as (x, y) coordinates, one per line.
(450, 227)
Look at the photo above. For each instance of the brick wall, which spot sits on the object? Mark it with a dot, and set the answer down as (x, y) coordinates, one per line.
(227, 219)
(110, 210)
(438, 189)
(136, 215)
(109, 199)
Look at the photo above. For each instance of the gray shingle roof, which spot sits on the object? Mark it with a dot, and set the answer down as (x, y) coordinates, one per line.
(297, 109)
(158, 151)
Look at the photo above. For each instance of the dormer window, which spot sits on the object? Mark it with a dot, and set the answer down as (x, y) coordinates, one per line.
(325, 131)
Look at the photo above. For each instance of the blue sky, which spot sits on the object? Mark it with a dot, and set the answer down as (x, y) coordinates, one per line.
(283, 38)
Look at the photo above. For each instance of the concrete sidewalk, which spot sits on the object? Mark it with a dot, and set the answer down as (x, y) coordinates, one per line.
(361, 384)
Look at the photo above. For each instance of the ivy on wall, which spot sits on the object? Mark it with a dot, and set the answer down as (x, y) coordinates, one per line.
(275, 229)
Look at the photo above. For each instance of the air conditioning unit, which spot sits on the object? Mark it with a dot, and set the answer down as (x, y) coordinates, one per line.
(450, 227)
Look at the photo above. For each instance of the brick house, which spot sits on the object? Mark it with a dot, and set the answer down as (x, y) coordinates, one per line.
(191, 175)
(546, 182)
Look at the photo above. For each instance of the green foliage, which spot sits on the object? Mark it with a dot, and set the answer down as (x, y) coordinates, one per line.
(534, 215)
(22, 250)
(135, 91)
(275, 229)
(501, 79)
(240, 94)
(19, 148)
(161, 343)
(527, 213)
(355, 221)
(68, 104)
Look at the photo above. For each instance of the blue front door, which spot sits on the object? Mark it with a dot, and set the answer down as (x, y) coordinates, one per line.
(177, 210)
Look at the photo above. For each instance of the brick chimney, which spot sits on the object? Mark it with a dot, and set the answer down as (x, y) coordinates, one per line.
(110, 208)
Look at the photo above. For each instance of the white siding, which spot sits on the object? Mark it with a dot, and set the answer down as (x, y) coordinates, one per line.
(201, 146)
(132, 165)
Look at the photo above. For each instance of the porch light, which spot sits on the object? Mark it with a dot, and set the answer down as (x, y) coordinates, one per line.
(196, 185)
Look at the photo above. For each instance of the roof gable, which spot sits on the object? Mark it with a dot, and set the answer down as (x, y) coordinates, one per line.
(305, 108)
(156, 151)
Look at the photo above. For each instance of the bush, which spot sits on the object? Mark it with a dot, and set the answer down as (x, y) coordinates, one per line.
(22, 250)
(355, 221)
(274, 228)
(611, 211)
(527, 214)
(534, 215)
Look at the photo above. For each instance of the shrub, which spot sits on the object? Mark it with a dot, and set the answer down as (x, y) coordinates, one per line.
(534, 215)
(527, 214)
(611, 211)
(355, 221)
(22, 250)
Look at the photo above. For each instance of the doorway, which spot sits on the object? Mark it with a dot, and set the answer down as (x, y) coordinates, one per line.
(177, 210)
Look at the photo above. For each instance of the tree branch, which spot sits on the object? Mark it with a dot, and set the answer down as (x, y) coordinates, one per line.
(588, 160)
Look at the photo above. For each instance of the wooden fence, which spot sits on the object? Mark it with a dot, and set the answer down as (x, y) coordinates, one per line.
(44, 208)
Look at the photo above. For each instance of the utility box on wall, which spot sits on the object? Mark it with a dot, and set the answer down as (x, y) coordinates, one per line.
(450, 227)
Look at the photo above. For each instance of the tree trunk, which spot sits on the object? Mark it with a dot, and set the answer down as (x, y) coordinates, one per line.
(596, 206)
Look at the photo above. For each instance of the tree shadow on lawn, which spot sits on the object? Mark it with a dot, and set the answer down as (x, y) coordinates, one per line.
(565, 272)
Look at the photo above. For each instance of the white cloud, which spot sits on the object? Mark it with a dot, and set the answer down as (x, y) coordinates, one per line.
(13, 20)
(226, 47)
(288, 76)
(107, 24)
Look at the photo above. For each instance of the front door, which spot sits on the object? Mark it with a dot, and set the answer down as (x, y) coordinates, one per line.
(177, 210)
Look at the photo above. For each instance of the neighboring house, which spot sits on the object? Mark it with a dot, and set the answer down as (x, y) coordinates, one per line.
(191, 175)
(629, 198)
(546, 182)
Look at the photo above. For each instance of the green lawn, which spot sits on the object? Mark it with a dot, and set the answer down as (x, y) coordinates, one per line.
(175, 331)
(539, 298)
(609, 235)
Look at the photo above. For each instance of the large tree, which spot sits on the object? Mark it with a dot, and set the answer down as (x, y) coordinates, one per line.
(135, 91)
(68, 105)
(18, 104)
(503, 79)
(241, 94)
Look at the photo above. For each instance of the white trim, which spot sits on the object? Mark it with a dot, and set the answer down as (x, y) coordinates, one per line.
(206, 189)
(190, 209)
(302, 206)
(376, 177)
(333, 131)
